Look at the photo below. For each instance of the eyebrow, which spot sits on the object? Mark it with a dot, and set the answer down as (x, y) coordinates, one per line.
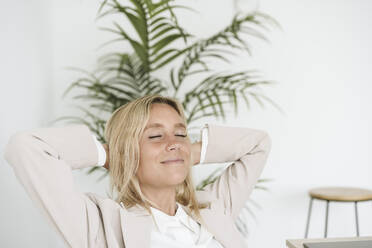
(154, 125)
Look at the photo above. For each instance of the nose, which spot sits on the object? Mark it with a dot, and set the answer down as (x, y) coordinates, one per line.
(173, 145)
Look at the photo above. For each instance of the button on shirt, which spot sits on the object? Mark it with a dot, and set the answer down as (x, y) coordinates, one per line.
(180, 230)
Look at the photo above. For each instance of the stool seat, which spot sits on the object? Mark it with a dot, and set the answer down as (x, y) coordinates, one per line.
(345, 194)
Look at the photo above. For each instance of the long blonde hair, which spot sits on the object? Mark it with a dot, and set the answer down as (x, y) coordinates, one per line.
(122, 133)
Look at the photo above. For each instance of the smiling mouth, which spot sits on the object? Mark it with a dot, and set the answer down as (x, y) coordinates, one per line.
(174, 161)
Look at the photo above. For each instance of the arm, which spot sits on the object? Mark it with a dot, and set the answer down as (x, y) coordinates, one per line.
(248, 149)
(42, 160)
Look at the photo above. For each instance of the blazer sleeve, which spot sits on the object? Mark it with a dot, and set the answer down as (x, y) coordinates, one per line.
(42, 160)
(248, 149)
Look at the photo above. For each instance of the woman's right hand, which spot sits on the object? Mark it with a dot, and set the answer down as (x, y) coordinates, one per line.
(107, 156)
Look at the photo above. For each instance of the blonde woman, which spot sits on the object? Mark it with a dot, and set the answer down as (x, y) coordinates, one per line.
(149, 157)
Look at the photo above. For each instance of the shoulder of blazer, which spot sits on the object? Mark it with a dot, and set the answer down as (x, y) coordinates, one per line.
(100, 200)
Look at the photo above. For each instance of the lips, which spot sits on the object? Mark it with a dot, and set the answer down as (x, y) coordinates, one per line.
(177, 160)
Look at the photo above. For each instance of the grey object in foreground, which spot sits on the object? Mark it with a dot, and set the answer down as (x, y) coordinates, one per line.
(299, 243)
(342, 244)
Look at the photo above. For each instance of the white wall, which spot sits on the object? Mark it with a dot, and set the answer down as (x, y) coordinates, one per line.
(26, 95)
(321, 61)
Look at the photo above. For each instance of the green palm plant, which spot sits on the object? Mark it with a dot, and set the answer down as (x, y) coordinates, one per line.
(158, 41)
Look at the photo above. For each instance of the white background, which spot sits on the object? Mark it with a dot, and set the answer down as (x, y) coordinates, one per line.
(321, 60)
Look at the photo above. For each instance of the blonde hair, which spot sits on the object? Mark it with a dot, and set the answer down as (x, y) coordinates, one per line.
(122, 133)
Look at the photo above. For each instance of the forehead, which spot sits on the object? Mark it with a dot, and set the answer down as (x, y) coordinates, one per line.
(163, 115)
(164, 111)
(159, 125)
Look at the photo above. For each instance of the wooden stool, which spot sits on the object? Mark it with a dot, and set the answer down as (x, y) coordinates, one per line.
(338, 194)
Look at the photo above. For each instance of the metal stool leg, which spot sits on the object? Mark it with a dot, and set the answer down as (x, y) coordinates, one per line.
(326, 220)
(356, 218)
(308, 216)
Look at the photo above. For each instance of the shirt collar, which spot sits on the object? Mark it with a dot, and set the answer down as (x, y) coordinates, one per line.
(181, 218)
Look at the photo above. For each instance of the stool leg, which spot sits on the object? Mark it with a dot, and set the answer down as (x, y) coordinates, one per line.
(308, 216)
(356, 218)
(326, 220)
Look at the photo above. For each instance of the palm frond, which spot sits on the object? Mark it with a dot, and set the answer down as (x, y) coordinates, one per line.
(224, 42)
(217, 91)
(156, 28)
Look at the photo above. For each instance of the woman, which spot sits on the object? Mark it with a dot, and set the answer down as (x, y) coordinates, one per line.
(149, 158)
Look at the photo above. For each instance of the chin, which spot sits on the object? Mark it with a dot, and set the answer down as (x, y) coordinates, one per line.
(176, 179)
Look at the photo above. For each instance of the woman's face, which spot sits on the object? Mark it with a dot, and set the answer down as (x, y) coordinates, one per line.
(165, 149)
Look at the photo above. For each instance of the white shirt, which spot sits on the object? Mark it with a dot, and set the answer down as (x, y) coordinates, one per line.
(180, 230)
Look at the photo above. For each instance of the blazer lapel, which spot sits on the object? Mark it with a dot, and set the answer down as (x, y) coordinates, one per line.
(136, 226)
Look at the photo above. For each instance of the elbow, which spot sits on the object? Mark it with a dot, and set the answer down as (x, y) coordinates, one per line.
(15, 146)
(266, 142)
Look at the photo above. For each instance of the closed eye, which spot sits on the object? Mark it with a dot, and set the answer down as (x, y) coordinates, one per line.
(152, 137)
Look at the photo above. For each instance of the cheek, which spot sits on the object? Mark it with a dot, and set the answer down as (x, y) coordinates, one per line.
(149, 152)
(187, 149)
(148, 158)
(146, 168)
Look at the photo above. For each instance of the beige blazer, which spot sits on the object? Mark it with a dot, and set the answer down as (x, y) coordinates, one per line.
(43, 158)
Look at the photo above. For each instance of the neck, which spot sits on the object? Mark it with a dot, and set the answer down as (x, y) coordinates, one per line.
(164, 199)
